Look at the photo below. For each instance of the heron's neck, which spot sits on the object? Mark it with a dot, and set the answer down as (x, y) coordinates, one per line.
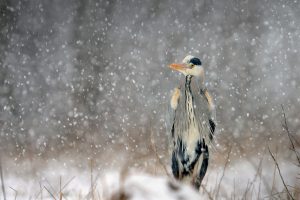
(188, 80)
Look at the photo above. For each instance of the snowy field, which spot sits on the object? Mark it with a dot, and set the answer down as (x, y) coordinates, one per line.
(230, 176)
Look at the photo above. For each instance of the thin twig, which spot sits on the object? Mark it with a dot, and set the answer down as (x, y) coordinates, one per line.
(98, 194)
(41, 191)
(50, 193)
(258, 173)
(287, 190)
(259, 186)
(89, 194)
(273, 195)
(207, 192)
(247, 189)
(274, 174)
(156, 154)
(285, 126)
(92, 183)
(60, 191)
(234, 189)
(253, 164)
(66, 184)
(16, 192)
(2, 181)
(51, 187)
(223, 173)
(216, 183)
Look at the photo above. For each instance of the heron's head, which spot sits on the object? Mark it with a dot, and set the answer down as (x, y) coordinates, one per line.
(190, 66)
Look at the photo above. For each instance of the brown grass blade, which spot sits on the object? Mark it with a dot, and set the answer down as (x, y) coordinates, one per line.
(277, 166)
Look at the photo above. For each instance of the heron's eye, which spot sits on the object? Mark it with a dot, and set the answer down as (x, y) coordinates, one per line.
(192, 65)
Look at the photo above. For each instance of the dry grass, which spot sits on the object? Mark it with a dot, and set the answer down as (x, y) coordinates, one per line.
(152, 158)
(48, 190)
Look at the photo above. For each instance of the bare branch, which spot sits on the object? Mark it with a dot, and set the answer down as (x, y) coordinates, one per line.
(272, 196)
(156, 154)
(223, 173)
(51, 187)
(92, 182)
(2, 181)
(41, 191)
(287, 190)
(285, 126)
(60, 192)
(234, 189)
(50, 193)
(247, 189)
(274, 174)
(207, 192)
(16, 192)
(66, 184)
(258, 173)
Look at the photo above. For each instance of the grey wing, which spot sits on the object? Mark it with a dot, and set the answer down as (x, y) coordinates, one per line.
(170, 117)
(204, 113)
(212, 112)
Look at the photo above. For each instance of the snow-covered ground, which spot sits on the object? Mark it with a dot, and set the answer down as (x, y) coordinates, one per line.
(241, 178)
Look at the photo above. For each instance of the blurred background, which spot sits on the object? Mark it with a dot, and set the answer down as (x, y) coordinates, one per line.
(91, 76)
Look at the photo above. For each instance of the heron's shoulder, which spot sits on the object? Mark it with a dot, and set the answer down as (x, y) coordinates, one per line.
(196, 86)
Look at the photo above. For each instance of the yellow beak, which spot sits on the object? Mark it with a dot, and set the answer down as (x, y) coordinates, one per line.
(178, 67)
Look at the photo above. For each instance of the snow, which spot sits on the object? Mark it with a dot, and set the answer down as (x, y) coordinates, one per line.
(90, 79)
(145, 187)
(144, 179)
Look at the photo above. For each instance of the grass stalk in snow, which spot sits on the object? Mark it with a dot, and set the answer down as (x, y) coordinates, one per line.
(50, 193)
(2, 181)
(153, 146)
(286, 128)
(92, 183)
(223, 173)
(16, 192)
(41, 191)
(277, 166)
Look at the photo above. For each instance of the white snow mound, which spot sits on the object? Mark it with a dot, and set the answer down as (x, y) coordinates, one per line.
(145, 187)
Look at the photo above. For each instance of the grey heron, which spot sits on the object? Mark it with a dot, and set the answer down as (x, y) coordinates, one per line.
(191, 123)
